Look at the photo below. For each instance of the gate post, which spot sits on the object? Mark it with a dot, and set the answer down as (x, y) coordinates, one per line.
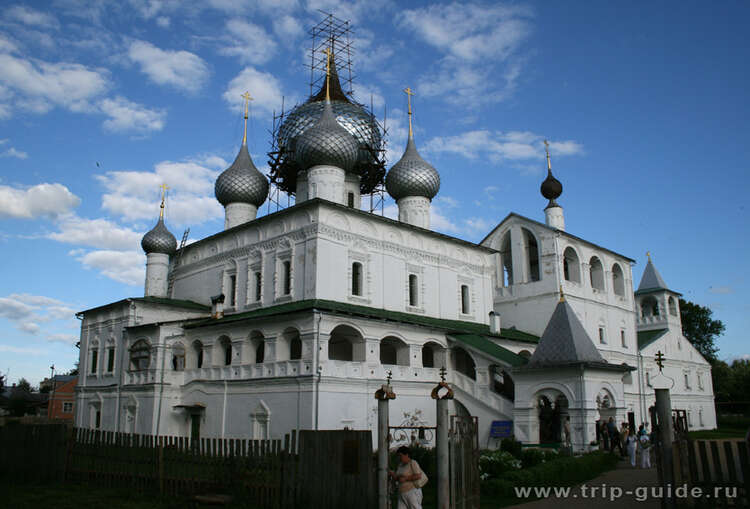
(664, 413)
(383, 394)
(442, 394)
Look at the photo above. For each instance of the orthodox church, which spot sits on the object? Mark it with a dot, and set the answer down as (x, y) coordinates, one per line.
(294, 319)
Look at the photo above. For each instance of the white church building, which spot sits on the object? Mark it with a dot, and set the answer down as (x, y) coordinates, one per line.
(294, 319)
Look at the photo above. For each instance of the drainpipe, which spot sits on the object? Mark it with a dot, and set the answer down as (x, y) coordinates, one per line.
(583, 411)
(316, 362)
(642, 395)
(224, 412)
(161, 385)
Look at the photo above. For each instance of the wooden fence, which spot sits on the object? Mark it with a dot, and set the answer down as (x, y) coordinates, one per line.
(719, 468)
(326, 468)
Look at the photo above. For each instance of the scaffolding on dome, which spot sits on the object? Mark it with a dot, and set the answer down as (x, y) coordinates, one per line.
(336, 34)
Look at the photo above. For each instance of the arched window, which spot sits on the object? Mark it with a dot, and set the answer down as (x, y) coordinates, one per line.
(649, 307)
(295, 348)
(672, 303)
(506, 259)
(140, 355)
(394, 351)
(465, 307)
(464, 363)
(178, 357)
(253, 350)
(571, 265)
(287, 343)
(501, 382)
(260, 352)
(357, 278)
(618, 280)
(532, 255)
(226, 346)
(198, 353)
(413, 290)
(596, 273)
(433, 355)
(346, 344)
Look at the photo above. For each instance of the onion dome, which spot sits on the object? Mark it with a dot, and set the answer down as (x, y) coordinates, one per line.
(551, 188)
(241, 182)
(327, 143)
(159, 240)
(412, 175)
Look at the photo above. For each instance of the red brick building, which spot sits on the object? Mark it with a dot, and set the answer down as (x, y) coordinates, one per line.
(62, 397)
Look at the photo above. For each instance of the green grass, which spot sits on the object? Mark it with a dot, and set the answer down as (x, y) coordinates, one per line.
(76, 496)
(735, 426)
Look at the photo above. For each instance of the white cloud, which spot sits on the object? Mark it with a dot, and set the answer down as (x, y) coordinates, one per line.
(70, 339)
(163, 21)
(180, 69)
(248, 42)
(350, 10)
(500, 146)
(29, 16)
(13, 152)
(98, 233)
(23, 350)
(42, 200)
(28, 311)
(127, 267)
(288, 28)
(263, 86)
(127, 116)
(6, 45)
(133, 195)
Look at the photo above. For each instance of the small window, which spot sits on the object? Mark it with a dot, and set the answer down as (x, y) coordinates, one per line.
(622, 338)
(700, 417)
(287, 277)
(67, 407)
(700, 381)
(687, 381)
(357, 278)
(602, 339)
(110, 360)
(232, 290)
(258, 287)
(198, 346)
(672, 303)
(226, 345)
(648, 378)
(413, 290)
(94, 360)
(465, 308)
(350, 199)
(98, 419)
(178, 357)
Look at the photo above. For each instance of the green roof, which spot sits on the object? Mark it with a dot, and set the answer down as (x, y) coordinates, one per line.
(645, 338)
(483, 344)
(188, 304)
(354, 309)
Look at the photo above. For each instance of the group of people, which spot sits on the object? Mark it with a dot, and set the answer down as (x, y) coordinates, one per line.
(627, 441)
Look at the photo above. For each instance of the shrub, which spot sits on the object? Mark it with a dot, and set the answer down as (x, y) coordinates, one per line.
(512, 446)
(493, 464)
(532, 457)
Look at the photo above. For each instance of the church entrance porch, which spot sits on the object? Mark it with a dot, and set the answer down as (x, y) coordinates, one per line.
(553, 412)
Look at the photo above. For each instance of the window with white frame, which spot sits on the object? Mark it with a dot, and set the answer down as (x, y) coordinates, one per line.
(648, 378)
(687, 380)
(357, 279)
(413, 290)
(94, 357)
(622, 338)
(602, 337)
(465, 300)
(700, 381)
(261, 421)
(284, 275)
(110, 358)
(229, 287)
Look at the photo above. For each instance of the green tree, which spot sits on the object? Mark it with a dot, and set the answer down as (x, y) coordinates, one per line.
(24, 384)
(700, 329)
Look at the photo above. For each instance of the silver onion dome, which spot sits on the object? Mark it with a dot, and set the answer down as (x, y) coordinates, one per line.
(159, 240)
(412, 176)
(326, 143)
(241, 182)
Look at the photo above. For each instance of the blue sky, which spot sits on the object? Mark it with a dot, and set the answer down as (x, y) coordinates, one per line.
(645, 106)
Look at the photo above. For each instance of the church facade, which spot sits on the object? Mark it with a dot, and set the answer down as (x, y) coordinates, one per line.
(292, 320)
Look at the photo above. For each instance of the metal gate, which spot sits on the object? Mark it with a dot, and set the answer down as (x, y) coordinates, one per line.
(464, 462)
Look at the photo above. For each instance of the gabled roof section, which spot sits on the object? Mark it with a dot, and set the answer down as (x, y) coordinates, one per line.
(483, 344)
(651, 280)
(645, 338)
(565, 341)
(561, 232)
(163, 301)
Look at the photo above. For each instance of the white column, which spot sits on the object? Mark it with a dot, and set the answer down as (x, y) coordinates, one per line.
(238, 213)
(157, 268)
(326, 182)
(555, 218)
(414, 210)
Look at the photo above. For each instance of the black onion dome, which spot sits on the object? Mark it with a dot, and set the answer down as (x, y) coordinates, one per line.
(412, 176)
(159, 240)
(327, 143)
(241, 182)
(551, 188)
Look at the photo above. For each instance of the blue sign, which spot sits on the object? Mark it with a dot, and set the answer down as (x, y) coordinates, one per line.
(501, 429)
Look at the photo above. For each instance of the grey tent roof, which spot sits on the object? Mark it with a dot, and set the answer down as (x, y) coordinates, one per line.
(651, 279)
(565, 341)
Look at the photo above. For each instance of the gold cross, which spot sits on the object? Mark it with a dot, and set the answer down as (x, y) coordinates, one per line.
(546, 149)
(409, 92)
(327, 51)
(163, 188)
(648, 254)
(247, 98)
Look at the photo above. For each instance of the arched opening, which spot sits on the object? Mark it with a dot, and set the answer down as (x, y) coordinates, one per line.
(506, 259)
(553, 410)
(254, 348)
(596, 273)
(226, 347)
(571, 265)
(501, 382)
(532, 255)
(140, 355)
(465, 306)
(178, 357)
(198, 353)
(346, 344)
(433, 355)
(357, 279)
(393, 351)
(463, 362)
(413, 290)
(649, 307)
(605, 403)
(672, 304)
(618, 280)
(288, 345)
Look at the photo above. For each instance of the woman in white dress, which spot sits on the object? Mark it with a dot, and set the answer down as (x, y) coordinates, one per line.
(408, 476)
(630, 444)
(645, 451)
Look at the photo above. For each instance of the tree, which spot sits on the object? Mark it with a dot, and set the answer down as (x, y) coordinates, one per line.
(24, 384)
(700, 329)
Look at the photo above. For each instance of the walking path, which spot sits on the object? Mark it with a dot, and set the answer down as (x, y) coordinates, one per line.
(622, 488)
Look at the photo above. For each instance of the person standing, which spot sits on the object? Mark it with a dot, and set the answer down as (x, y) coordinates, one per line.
(407, 474)
(605, 435)
(630, 445)
(614, 436)
(645, 446)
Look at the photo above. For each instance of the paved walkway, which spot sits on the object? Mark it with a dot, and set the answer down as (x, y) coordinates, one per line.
(633, 485)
